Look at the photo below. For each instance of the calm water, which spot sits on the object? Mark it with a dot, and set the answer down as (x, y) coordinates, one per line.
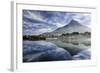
(54, 50)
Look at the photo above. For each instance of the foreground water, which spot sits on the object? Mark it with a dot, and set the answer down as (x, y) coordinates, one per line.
(37, 51)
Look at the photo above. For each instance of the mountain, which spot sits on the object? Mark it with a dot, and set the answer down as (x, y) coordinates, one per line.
(73, 26)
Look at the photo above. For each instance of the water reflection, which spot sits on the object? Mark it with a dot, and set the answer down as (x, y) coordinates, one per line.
(35, 51)
(53, 50)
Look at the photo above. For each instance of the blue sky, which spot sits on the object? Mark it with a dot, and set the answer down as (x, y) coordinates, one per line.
(38, 22)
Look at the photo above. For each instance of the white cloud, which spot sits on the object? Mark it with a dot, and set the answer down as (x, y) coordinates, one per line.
(43, 30)
(51, 21)
(34, 15)
(84, 19)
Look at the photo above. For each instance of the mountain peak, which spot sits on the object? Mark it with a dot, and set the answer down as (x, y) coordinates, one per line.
(73, 23)
(73, 26)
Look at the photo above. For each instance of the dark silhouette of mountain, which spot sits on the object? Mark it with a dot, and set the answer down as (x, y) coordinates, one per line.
(73, 26)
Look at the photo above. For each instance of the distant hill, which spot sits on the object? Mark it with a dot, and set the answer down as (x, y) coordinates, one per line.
(73, 26)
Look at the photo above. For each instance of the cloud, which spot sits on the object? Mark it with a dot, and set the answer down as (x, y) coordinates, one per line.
(38, 22)
(84, 19)
(34, 15)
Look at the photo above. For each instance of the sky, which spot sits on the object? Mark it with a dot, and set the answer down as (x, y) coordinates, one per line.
(38, 22)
